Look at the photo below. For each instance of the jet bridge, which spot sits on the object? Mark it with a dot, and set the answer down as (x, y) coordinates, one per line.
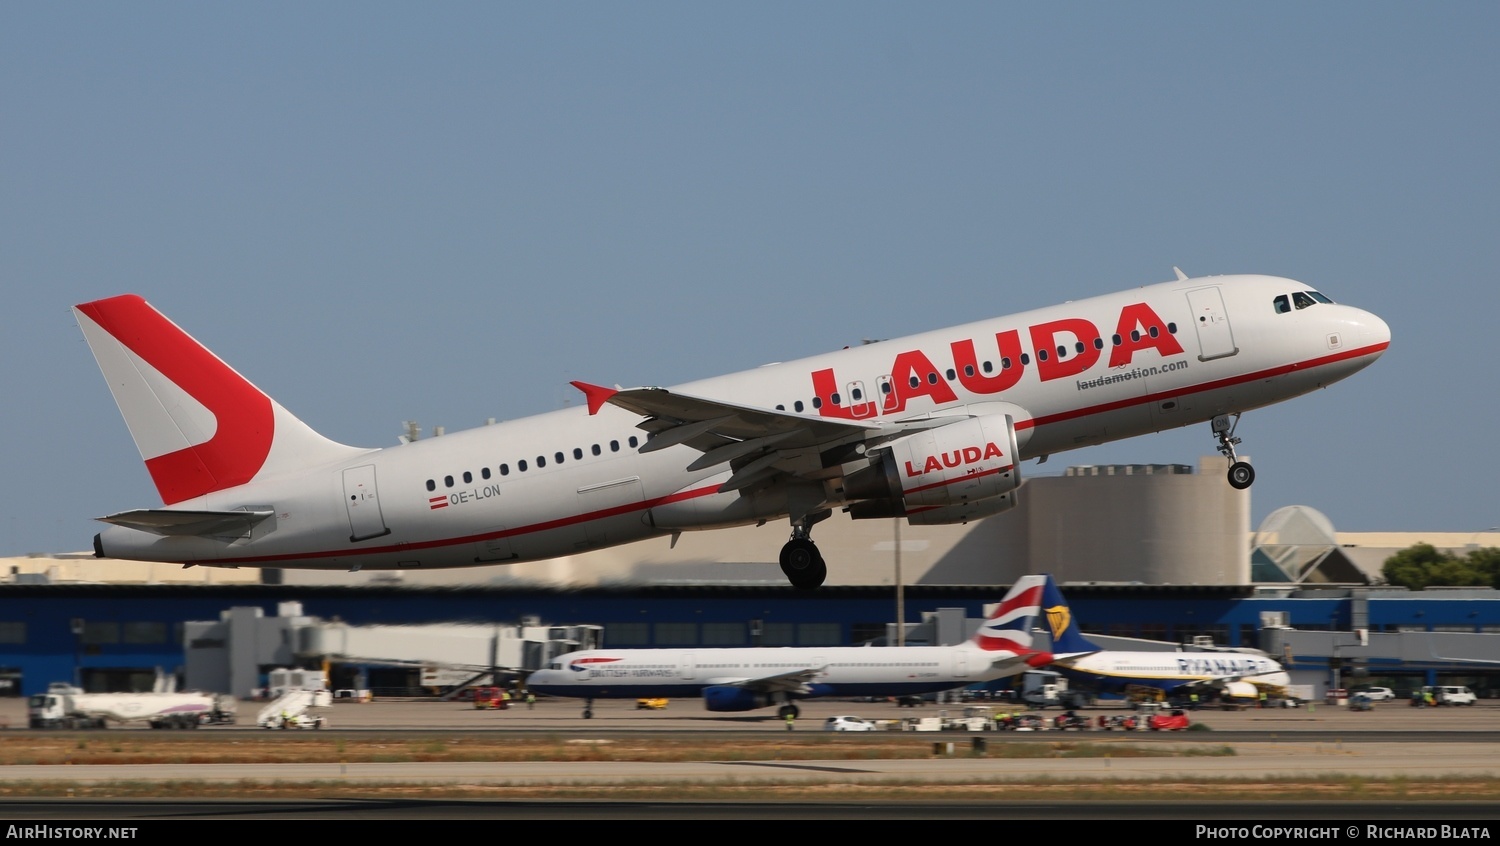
(228, 654)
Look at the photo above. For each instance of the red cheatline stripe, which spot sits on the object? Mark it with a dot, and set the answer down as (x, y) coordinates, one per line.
(508, 533)
(955, 480)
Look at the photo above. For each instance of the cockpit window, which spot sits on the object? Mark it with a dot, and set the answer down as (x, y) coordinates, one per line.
(1302, 300)
(1283, 304)
(1319, 297)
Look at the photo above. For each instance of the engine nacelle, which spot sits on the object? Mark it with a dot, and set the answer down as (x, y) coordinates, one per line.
(727, 697)
(1241, 690)
(965, 462)
(962, 513)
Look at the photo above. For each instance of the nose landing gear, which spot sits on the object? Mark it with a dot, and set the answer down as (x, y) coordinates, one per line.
(1241, 474)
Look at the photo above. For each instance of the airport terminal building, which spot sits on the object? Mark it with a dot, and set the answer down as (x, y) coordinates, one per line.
(1162, 553)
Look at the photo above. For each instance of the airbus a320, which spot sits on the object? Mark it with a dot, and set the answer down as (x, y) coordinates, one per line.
(931, 428)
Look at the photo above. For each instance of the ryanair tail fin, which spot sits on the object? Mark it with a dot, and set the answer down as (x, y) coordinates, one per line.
(1067, 641)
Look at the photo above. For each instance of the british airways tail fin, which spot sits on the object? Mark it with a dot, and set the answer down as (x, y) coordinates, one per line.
(200, 426)
(1007, 628)
(1067, 641)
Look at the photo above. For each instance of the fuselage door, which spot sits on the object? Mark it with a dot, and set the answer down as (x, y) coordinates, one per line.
(860, 403)
(687, 668)
(360, 498)
(889, 401)
(960, 663)
(1215, 338)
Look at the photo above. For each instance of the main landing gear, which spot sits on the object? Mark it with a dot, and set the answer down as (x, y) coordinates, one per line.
(1241, 474)
(800, 559)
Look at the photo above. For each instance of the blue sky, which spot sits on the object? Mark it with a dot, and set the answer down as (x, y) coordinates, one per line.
(443, 212)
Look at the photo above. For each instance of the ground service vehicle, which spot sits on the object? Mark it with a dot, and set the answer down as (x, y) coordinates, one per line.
(294, 721)
(650, 704)
(1070, 720)
(1174, 720)
(74, 709)
(1378, 694)
(1450, 694)
(846, 723)
(489, 698)
(1041, 688)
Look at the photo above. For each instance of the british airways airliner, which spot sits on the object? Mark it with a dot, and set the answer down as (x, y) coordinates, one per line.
(747, 678)
(931, 428)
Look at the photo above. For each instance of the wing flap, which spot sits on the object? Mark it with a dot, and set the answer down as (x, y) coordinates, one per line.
(794, 681)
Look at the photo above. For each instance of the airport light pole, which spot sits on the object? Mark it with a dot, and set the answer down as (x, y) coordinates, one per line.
(900, 589)
(77, 625)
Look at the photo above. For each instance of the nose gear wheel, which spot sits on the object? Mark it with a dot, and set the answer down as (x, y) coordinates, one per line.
(1241, 474)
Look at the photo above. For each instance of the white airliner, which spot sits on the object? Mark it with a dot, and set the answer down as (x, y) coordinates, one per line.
(929, 427)
(743, 679)
(1231, 675)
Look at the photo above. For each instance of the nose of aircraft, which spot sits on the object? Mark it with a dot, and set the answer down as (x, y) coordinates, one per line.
(541, 679)
(1373, 331)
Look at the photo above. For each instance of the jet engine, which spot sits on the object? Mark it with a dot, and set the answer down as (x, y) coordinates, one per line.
(949, 474)
(727, 697)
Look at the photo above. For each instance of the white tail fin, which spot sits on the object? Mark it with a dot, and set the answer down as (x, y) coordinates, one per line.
(200, 426)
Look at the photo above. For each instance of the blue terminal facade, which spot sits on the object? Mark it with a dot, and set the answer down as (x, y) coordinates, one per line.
(107, 636)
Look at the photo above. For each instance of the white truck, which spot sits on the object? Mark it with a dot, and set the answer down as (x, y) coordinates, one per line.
(1040, 688)
(70, 708)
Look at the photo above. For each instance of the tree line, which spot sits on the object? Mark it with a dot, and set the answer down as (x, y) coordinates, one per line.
(1424, 565)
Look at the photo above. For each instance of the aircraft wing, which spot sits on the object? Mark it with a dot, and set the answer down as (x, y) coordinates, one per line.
(795, 681)
(1220, 682)
(170, 522)
(755, 442)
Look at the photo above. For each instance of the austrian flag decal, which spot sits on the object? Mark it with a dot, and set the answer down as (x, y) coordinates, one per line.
(437, 502)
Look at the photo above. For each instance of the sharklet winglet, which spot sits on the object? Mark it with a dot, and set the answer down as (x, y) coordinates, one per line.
(597, 395)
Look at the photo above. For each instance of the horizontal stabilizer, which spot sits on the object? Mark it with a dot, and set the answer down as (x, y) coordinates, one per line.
(168, 522)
